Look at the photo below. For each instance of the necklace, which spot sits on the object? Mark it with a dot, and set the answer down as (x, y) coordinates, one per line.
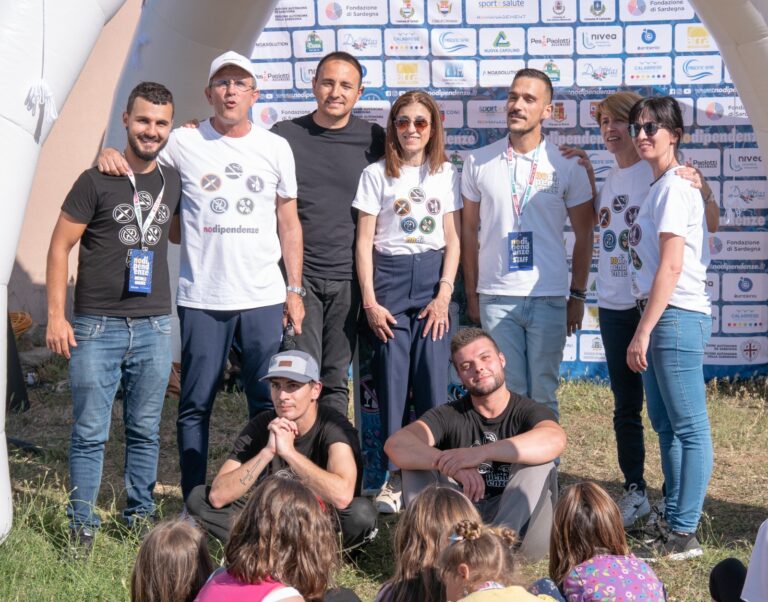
(663, 173)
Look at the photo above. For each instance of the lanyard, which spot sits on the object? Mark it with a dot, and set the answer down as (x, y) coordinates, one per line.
(143, 227)
(518, 204)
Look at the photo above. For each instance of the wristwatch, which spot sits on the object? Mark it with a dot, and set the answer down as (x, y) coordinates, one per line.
(299, 290)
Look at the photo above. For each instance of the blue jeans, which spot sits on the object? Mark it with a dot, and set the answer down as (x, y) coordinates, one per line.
(677, 407)
(617, 327)
(110, 352)
(530, 332)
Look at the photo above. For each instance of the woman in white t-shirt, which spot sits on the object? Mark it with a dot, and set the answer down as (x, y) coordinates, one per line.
(616, 206)
(407, 253)
(669, 255)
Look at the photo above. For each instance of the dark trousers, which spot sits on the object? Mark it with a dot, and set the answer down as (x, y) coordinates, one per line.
(206, 337)
(329, 334)
(617, 327)
(356, 522)
(405, 284)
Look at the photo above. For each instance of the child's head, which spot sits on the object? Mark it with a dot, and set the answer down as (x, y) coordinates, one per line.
(172, 564)
(477, 554)
(283, 533)
(587, 522)
(421, 533)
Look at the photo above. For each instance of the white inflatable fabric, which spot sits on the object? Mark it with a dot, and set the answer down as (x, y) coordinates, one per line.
(740, 30)
(45, 44)
(174, 44)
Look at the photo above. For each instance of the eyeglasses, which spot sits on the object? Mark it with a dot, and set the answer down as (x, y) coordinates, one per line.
(650, 128)
(240, 84)
(403, 123)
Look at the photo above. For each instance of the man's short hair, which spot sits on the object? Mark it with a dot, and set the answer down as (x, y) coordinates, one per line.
(152, 92)
(536, 74)
(340, 55)
(465, 336)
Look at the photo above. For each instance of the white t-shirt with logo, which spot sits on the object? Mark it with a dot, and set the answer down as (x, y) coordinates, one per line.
(409, 209)
(618, 204)
(559, 184)
(672, 206)
(229, 245)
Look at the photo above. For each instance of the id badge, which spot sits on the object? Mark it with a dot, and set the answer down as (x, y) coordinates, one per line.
(520, 251)
(140, 271)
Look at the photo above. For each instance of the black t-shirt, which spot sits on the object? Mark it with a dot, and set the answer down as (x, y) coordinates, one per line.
(328, 167)
(329, 428)
(458, 424)
(105, 204)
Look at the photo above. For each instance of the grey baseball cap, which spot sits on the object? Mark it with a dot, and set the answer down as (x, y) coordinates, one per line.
(294, 365)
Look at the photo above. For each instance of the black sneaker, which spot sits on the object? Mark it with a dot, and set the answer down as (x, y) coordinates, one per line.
(81, 543)
(671, 546)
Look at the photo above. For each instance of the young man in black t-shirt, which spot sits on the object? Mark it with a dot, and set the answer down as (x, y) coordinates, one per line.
(331, 148)
(497, 446)
(121, 330)
(299, 439)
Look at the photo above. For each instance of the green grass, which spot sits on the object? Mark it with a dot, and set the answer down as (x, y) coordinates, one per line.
(34, 564)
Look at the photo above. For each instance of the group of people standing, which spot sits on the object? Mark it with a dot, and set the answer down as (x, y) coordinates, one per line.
(286, 234)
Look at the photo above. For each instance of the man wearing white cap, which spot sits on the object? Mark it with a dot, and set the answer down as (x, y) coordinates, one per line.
(238, 216)
(299, 439)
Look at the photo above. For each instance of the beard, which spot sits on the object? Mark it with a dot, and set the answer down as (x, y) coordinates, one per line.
(142, 154)
(488, 387)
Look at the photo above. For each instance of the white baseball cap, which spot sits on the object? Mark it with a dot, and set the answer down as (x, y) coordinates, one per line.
(231, 58)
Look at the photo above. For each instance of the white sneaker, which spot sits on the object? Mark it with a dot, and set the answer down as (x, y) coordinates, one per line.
(390, 498)
(633, 505)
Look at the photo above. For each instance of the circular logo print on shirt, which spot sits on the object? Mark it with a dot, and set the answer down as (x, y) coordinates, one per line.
(233, 171)
(254, 183)
(219, 205)
(152, 237)
(129, 235)
(624, 240)
(210, 182)
(635, 234)
(401, 207)
(609, 240)
(163, 214)
(433, 206)
(604, 217)
(636, 263)
(427, 225)
(245, 206)
(123, 214)
(631, 214)
(408, 224)
(417, 195)
(619, 203)
(145, 200)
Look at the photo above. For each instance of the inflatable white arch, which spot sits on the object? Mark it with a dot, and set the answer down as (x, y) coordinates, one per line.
(45, 44)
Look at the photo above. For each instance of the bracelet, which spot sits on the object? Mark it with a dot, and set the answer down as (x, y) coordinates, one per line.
(371, 306)
(580, 294)
(448, 282)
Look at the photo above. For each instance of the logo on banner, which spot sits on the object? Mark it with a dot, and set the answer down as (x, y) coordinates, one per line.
(749, 349)
(648, 36)
(636, 7)
(314, 43)
(501, 41)
(714, 110)
(558, 7)
(558, 111)
(599, 73)
(745, 284)
(597, 8)
(552, 71)
(407, 10)
(697, 38)
(695, 70)
(454, 71)
(444, 7)
(333, 11)
(452, 41)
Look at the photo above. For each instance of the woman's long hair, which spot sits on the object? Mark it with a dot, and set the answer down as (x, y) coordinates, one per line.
(283, 534)
(172, 564)
(434, 152)
(421, 533)
(587, 523)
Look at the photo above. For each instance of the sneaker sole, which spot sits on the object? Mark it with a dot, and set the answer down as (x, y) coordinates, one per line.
(386, 509)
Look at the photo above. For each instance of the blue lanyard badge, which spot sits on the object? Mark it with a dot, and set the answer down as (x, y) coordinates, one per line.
(140, 270)
(520, 251)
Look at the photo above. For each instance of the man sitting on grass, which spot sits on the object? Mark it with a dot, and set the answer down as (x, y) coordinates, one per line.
(300, 439)
(498, 446)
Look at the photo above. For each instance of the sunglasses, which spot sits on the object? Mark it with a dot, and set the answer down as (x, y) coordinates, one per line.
(403, 123)
(650, 128)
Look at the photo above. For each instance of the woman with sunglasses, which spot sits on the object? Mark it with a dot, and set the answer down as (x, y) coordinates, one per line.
(669, 251)
(617, 204)
(407, 254)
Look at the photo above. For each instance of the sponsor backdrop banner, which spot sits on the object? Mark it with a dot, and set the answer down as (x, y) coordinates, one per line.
(465, 54)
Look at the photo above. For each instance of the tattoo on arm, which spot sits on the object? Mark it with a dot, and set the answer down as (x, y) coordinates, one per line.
(250, 474)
